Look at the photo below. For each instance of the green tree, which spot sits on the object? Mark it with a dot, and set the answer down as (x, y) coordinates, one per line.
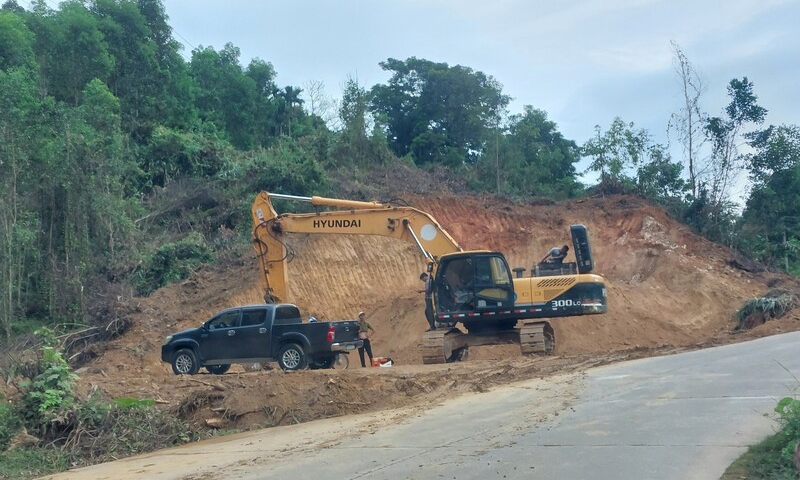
(357, 143)
(266, 125)
(136, 77)
(770, 221)
(436, 112)
(660, 179)
(226, 96)
(19, 135)
(533, 158)
(175, 104)
(71, 49)
(725, 133)
(16, 41)
(285, 167)
(172, 154)
(81, 199)
(615, 153)
(776, 149)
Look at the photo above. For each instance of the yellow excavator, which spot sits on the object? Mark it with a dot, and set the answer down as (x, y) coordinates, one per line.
(473, 288)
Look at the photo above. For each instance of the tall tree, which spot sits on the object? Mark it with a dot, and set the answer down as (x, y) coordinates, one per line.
(539, 160)
(726, 133)
(771, 218)
(660, 179)
(176, 103)
(226, 96)
(436, 112)
(72, 50)
(291, 103)
(19, 135)
(688, 122)
(361, 140)
(16, 41)
(616, 152)
(136, 79)
(266, 101)
(320, 104)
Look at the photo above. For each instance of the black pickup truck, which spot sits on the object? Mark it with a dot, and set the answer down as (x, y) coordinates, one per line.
(259, 333)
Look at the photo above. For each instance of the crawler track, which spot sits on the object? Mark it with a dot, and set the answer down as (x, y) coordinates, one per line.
(437, 347)
(536, 338)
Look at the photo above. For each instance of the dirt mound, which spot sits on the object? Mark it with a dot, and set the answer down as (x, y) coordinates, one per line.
(667, 290)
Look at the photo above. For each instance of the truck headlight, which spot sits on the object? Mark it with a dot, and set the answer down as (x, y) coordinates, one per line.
(167, 339)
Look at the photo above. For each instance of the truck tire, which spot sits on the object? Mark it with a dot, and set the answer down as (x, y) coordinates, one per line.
(292, 357)
(184, 362)
(218, 369)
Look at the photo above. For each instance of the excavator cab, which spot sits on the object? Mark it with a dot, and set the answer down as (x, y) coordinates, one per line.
(471, 282)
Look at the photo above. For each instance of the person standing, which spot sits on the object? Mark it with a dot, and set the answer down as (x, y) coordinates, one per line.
(365, 331)
(428, 290)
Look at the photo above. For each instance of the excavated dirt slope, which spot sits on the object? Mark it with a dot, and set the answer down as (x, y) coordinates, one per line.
(669, 290)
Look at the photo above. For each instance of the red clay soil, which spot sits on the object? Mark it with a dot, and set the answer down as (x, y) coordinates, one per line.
(668, 290)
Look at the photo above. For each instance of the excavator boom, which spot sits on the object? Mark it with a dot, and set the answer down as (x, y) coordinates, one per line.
(351, 218)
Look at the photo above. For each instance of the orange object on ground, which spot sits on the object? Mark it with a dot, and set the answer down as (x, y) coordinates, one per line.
(381, 361)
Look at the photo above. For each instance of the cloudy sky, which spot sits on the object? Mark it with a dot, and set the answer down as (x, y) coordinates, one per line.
(583, 61)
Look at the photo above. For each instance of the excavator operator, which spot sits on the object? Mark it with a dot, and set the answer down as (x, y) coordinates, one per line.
(556, 255)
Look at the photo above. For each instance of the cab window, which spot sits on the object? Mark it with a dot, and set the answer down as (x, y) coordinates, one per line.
(225, 320)
(286, 314)
(252, 317)
(499, 271)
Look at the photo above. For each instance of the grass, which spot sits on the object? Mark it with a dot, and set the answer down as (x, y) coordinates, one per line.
(763, 461)
(24, 463)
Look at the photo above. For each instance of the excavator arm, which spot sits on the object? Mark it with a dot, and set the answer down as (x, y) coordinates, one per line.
(351, 218)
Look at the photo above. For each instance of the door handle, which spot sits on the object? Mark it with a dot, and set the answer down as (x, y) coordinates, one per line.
(262, 330)
(231, 333)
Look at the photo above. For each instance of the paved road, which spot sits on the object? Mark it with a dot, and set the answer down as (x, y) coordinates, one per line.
(681, 417)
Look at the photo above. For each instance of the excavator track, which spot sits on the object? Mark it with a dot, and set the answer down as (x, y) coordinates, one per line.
(536, 338)
(438, 348)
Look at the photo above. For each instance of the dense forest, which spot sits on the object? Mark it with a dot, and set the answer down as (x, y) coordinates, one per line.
(124, 165)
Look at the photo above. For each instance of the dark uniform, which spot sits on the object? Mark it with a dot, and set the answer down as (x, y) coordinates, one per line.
(363, 333)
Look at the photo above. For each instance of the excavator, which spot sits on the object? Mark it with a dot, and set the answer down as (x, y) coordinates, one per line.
(473, 288)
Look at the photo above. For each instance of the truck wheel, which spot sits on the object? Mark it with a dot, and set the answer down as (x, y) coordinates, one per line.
(292, 357)
(218, 369)
(184, 362)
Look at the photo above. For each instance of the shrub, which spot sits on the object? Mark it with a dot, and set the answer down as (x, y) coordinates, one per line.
(9, 423)
(788, 410)
(48, 393)
(172, 262)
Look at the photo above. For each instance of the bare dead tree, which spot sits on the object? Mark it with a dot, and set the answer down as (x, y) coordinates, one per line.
(689, 121)
(320, 103)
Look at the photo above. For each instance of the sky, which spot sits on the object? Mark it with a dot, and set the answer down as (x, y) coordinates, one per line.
(584, 62)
